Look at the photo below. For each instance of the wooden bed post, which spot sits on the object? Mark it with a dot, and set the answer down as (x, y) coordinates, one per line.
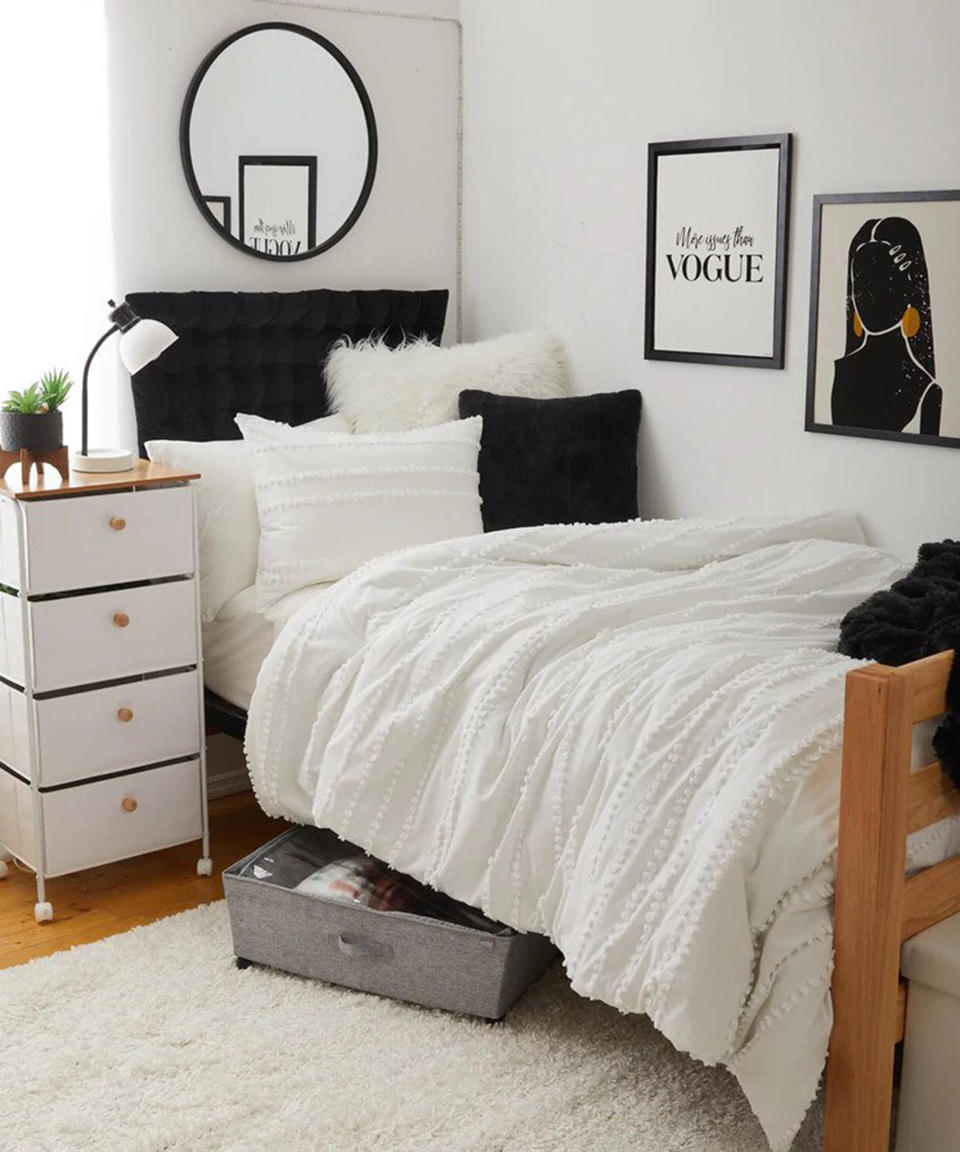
(878, 722)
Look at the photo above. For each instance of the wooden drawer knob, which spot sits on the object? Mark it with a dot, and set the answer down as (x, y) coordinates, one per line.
(128, 804)
(117, 523)
(121, 619)
(125, 715)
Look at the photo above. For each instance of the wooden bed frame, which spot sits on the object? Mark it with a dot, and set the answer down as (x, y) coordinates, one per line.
(877, 907)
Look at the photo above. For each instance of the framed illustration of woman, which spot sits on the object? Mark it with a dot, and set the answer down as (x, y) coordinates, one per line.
(884, 352)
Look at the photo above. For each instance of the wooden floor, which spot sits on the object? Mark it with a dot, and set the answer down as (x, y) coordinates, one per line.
(103, 901)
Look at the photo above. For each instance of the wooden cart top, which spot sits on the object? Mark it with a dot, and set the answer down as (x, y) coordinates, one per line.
(144, 474)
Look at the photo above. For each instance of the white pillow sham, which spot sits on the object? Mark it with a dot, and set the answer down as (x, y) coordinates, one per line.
(227, 525)
(379, 389)
(277, 430)
(328, 503)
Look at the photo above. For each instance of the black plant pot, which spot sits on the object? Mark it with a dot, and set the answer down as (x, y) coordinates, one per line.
(41, 431)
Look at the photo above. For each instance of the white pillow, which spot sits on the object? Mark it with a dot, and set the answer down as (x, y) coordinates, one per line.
(277, 430)
(328, 503)
(227, 525)
(380, 389)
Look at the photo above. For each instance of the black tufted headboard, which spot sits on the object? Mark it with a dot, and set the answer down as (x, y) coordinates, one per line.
(260, 352)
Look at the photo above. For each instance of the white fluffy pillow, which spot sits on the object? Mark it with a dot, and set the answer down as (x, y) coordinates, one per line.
(379, 389)
(330, 502)
(227, 525)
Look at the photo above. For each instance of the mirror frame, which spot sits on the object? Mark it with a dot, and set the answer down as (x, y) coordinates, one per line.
(187, 160)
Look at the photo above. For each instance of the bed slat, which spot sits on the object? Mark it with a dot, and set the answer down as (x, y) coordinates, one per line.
(929, 678)
(931, 796)
(931, 896)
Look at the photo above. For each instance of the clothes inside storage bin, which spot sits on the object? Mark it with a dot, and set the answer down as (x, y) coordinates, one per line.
(312, 861)
(311, 904)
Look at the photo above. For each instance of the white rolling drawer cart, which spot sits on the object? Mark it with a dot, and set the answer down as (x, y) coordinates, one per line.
(101, 683)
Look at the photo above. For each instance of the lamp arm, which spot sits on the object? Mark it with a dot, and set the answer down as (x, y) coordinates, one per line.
(83, 390)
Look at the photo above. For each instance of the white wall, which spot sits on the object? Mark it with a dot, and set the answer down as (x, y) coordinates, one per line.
(55, 192)
(560, 101)
(407, 235)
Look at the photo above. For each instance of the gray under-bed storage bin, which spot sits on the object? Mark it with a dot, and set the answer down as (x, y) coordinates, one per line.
(283, 914)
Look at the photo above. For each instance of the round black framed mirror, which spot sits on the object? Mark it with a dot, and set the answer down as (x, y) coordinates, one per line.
(278, 141)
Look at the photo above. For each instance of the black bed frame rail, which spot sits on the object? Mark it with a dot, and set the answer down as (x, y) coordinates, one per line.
(222, 716)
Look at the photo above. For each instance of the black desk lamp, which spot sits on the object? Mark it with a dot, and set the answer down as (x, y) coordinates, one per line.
(141, 341)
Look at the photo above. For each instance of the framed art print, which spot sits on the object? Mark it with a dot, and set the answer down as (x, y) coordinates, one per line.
(278, 204)
(717, 225)
(884, 349)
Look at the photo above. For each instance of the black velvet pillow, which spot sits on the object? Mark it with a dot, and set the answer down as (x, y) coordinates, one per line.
(556, 461)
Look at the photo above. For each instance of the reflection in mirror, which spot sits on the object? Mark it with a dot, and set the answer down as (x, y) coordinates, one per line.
(278, 141)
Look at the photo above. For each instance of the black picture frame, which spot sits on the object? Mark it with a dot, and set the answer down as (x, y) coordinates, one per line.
(309, 164)
(370, 120)
(225, 209)
(820, 202)
(783, 142)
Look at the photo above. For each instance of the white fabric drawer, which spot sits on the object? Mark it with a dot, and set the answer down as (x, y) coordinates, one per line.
(16, 818)
(81, 640)
(89, 824)
(14, 744)
(123, 726)
(11, 638)
(9, 549)
(107, 730)
(116, 538)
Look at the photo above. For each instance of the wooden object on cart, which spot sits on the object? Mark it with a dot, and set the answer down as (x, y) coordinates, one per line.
(877, 907)
(28, 457)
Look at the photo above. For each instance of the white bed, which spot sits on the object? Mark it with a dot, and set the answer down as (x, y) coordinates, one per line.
(236, 642)
(624, 736)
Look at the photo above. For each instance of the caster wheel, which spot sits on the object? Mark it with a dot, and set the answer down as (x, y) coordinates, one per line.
(4, 870)
(43, 912)
(204, 866)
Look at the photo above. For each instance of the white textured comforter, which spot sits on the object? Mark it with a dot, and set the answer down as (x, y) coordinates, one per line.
(625, 736)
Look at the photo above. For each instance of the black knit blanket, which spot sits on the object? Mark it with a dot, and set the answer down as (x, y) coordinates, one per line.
(917, 616)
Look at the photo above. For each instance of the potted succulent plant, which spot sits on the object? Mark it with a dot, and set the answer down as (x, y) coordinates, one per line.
(32, 418)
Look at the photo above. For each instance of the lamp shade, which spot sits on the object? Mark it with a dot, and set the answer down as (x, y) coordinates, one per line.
(143, 342)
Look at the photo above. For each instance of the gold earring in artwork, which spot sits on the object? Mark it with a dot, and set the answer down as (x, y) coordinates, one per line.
(910, 322)
(857, 324)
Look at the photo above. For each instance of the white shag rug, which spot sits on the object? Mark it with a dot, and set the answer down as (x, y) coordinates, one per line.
(153, 1040)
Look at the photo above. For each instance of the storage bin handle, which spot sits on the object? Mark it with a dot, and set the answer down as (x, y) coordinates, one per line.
(350, 947)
